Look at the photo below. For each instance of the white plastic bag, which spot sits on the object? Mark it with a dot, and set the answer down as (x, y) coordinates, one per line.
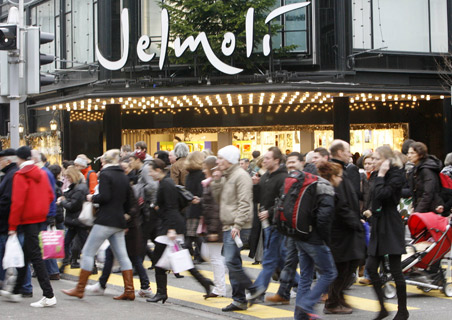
(181, 261)
(14, 256)
(86, 215)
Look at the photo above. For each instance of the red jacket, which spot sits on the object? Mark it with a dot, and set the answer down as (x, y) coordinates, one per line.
(31, 197)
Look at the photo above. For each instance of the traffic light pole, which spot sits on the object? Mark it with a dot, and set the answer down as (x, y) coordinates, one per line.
(14, 97)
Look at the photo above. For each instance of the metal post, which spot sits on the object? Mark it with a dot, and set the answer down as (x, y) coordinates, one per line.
(14, 95)
(13, 64)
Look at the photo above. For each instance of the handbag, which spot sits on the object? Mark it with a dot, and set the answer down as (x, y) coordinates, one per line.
(52, 244)
(14, 256)
(86, 216)
(185, 196)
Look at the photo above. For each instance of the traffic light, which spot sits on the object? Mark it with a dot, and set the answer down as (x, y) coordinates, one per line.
(35, 59)
(8, 37)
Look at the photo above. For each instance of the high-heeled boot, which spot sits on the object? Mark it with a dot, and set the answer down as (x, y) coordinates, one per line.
(129, 291)
(402, 311)
(377, 285)
(79, 290)
(206, 283)
(161, 294)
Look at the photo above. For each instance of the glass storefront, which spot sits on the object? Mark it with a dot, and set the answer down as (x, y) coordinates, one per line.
(363, 137)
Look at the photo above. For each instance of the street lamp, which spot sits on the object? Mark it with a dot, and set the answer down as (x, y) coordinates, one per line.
(53, 125)
(21, 128)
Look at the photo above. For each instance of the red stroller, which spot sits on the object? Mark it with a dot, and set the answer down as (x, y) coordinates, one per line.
(432, 239)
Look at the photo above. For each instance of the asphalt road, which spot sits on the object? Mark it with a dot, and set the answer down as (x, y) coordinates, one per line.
(186, 302)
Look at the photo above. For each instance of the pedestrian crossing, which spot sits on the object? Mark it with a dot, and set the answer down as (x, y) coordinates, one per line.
(194, 294)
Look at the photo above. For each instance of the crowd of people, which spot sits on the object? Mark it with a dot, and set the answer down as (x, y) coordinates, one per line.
(237, 202)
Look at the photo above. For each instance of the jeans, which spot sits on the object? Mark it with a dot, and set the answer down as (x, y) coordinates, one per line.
(273, 255)
(136, 262)
(312, 255)
(97, 236)
(217, 262)
(32, 253)
(237, 276)
(289, 275)
(27, 287)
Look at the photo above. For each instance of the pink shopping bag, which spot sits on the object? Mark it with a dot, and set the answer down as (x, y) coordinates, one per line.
(52, 244)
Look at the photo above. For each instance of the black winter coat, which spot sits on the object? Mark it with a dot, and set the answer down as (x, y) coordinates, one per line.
(269, 188)
(74, 198)
(347, 232)
(6, 187)
(59, 217)
(426, 185)
(193, 184)
(211, 213)
(113, 198)
(168, 212)
(388, 232)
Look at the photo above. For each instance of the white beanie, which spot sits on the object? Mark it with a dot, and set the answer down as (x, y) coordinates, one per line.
(230, 154)
(81, 162)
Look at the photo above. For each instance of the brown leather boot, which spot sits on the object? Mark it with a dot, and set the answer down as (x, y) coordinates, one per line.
(79, 290)
(129, 291)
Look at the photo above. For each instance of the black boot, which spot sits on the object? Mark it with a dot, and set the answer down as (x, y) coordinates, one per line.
(161, 294)
(402, 313)
(63, 266)
(206, 283)
(378, 288)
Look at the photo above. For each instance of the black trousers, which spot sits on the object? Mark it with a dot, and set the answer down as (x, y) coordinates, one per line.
(336, 291)
(395, 267)
(32, 253)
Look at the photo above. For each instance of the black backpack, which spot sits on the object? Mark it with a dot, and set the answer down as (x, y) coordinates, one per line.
(294, 210)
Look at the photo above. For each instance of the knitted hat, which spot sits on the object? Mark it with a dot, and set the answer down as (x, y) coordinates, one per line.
(84, 157)
(7, 152)
(81, 162)
(230, 154)
(24, 153)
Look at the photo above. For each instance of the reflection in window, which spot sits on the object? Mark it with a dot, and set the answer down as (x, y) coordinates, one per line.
(294, 28)
(402, 25)
(151, 23)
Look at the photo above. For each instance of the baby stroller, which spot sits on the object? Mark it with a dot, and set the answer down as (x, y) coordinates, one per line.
(421, 266)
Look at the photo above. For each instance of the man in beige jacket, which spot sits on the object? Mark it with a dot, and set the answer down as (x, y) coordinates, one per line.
(232, 188)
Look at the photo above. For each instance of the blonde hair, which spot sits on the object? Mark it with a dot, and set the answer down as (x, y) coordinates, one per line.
(74, 174)
(111, 156)
(387, 153)
(194, 161)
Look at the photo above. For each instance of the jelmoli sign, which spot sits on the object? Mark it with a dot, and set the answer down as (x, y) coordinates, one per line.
(227, 47)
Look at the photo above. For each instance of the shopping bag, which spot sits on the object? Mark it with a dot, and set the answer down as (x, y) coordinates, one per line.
(14, 256)
(87, 214)
(180, 260)
(164, 261)
(52, 244)
(202, 227)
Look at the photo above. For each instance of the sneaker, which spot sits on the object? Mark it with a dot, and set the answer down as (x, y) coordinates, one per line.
(44, 302)
(95, 289)
(255, 293)
(293, 293)
(11, 296)
(232, 307)
(145, 293)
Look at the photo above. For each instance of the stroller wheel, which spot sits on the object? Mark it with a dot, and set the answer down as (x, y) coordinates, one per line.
(424, 289)
(448, 289)
(389, 290)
